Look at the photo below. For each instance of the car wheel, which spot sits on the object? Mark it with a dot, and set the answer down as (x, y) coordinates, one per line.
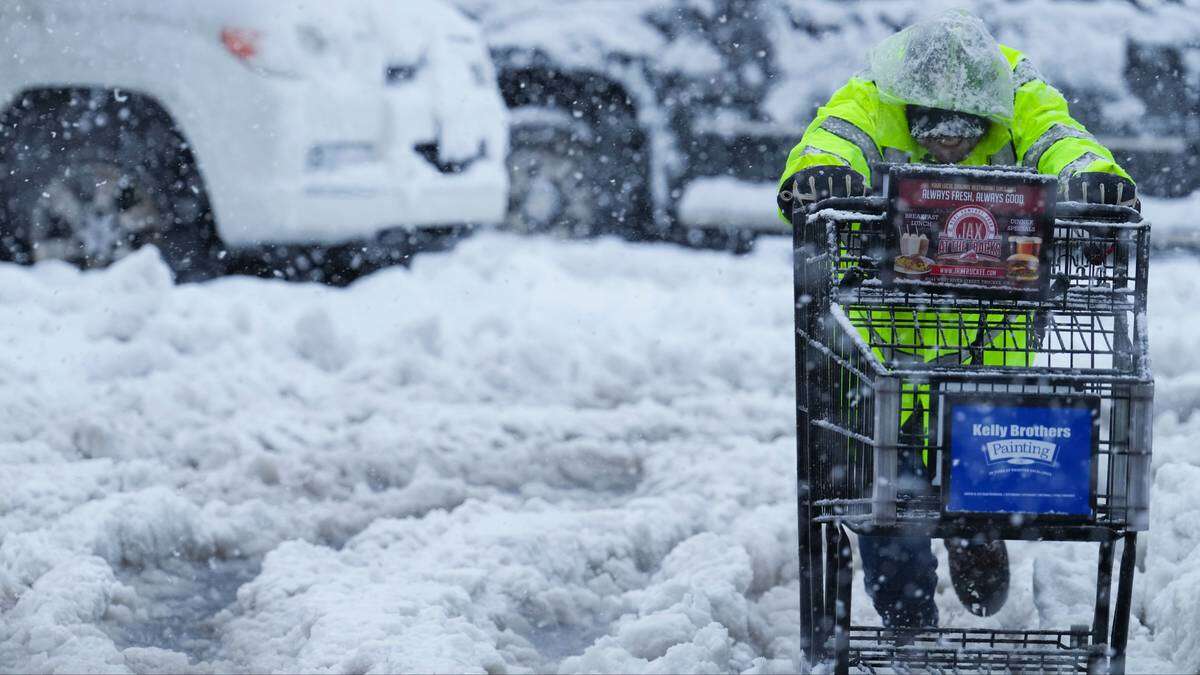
(90, 182)
(550, 191)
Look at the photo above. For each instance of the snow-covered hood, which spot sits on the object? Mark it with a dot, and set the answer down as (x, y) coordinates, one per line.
(949, 62)
(662, 51)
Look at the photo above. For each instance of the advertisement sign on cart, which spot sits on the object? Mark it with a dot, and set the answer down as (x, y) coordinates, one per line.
(970, 230)
(1027, 454)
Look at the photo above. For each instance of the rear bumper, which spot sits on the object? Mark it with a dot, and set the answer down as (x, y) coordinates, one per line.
(730, 204)
(361, 202)
(340, 162)
(1175, 223)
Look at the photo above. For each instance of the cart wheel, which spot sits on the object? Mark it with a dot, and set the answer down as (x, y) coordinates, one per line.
(826, 576)
(841, 610)
(812, 589)
(1120, 631)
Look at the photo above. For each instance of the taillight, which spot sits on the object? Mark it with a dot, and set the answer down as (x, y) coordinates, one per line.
(269, 52)
(241, 42)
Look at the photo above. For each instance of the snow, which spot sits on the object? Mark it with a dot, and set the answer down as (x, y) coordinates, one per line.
(944, 126)
(1176, 222)
(522, 455)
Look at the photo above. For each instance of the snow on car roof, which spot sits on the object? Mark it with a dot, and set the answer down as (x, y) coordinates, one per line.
(818, 44)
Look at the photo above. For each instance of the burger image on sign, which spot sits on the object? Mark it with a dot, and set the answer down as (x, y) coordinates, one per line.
(1023, 263)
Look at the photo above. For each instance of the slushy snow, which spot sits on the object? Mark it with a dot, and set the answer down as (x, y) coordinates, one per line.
(522, 455)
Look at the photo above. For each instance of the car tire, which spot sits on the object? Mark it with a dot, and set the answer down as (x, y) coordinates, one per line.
(93, 178)
(549, 187)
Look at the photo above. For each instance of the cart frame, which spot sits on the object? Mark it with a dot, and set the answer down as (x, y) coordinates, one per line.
(1087, 337)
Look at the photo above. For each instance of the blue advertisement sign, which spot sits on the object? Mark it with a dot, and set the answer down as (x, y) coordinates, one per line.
(1031, 455)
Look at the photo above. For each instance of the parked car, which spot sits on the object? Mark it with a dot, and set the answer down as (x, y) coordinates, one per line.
(220, 128)
(672, 118)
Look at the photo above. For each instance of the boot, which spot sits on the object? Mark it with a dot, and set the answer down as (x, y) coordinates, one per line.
(979, 572)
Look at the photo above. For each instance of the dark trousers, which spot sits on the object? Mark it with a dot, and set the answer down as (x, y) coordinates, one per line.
(900, 573)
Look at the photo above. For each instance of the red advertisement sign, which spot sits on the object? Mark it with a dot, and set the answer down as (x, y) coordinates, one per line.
(969, 228)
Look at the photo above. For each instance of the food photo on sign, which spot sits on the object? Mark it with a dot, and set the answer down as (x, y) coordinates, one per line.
(957, 228)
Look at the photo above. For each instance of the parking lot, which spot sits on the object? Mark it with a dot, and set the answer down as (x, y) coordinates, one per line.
(329, 351)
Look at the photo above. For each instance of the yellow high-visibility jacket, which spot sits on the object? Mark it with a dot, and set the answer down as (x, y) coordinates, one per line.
(856, 129)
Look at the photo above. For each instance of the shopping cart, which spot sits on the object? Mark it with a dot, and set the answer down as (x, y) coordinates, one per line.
(1083, 360)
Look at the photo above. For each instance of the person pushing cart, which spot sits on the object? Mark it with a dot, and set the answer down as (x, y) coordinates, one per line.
(959, 338)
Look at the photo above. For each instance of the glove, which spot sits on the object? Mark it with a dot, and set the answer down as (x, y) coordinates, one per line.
(1092, 187)
(815, 183)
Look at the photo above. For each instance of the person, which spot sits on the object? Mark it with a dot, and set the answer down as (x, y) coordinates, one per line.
(944, 91)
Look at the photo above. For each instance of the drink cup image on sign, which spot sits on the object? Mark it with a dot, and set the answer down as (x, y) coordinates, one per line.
(912, 259)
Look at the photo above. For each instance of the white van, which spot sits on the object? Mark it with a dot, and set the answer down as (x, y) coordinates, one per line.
(228, 125)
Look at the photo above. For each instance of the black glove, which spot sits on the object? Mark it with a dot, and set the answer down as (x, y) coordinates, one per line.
(815, 183)
(1093, 187)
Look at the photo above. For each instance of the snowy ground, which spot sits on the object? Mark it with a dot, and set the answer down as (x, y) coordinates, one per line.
(521, 455)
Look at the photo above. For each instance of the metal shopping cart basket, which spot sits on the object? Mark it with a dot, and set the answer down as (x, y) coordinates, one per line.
(1035, 424)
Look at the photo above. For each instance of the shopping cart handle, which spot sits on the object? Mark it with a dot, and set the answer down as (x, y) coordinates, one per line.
(863, 204)
(1106, 212)
(1070, 210)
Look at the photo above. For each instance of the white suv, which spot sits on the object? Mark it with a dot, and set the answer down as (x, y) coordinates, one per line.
(230, 125)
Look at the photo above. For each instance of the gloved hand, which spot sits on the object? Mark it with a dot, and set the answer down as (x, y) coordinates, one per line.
(1093, 187)
(815, 183)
